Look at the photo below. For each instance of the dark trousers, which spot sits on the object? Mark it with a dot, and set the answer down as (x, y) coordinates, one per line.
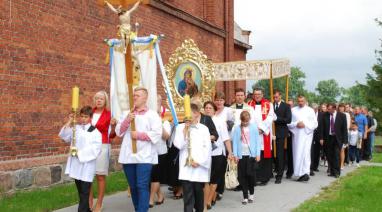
(353, 153)
(280, 159)
(264, 172)
(289, 156)
(221, 183)
(193, 196)
(83, 189)
(246, 181)
(333, 155)
(347, 155)
(315, 154)
(366, 148)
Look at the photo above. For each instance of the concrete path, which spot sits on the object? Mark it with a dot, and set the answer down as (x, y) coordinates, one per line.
(272, 197)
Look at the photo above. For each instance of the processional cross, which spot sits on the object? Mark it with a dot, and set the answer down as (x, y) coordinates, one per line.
(124, 32)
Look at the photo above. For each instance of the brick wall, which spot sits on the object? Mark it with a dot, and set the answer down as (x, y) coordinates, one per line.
(48, 46)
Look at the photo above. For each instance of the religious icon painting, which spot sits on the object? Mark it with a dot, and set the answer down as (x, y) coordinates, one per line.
(189, 71)
(188, 79)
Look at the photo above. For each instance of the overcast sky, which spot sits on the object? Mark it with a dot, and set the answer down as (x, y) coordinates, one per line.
(326, 38)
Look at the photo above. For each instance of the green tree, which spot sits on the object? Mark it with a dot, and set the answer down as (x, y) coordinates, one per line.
(373, 86)
(328, 91)
(355, 95)
(296, 84)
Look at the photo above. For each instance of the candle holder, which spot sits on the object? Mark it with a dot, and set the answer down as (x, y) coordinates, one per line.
(73, 149)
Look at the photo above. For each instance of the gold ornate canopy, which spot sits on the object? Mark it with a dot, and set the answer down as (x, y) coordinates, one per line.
(251, 70)
(188, 57)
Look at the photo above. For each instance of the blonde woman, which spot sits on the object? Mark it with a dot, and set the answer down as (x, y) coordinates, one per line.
(103, 122)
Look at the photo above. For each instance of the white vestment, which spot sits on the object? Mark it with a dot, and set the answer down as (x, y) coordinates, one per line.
(200, 152)
(264, 125)
(83, 166)
(302, 138)
(149, 123)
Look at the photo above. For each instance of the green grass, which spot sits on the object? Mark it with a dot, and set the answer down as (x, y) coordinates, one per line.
(378, 140)
(377, 157)
(360, 190)
(56, 197)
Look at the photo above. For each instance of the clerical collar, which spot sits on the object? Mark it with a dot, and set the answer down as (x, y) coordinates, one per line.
(239, 106)
(86, 126)
(258, 103)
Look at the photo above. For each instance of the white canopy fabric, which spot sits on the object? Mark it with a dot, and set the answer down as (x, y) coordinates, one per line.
(251, 70)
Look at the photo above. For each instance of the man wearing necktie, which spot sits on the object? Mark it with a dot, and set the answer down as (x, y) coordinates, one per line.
(334, 136)
(284, 117)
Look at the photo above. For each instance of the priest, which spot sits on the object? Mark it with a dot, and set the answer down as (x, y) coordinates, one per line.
(303, 124)
(263, 116)
(240, 105)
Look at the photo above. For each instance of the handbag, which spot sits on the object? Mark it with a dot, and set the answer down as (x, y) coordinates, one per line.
(231, 181)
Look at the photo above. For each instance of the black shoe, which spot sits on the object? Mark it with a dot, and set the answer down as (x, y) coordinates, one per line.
(219, 197)
(209, 207)
(176, 197)
(213, 203)
(288, 176)
(336, 176)
(151, 206)
(238, 188)
(278, 181)
(330, 175)
(316, 170)
(263, 183)
(303, 178)
(159, 203)
(311, 173)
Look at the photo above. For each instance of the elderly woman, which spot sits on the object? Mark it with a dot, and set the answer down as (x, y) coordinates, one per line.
(223, 145)
(103, 122)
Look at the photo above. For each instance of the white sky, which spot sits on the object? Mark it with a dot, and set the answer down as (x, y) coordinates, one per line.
(326, 38)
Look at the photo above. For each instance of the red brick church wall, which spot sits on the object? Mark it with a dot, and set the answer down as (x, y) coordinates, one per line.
(47, 47)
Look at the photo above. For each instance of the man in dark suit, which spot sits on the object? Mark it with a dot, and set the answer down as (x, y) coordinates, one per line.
(284, 116)
(334, 135)
(316, 146)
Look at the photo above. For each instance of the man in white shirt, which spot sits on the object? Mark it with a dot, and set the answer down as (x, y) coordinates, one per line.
(193, 140)
(137, 166)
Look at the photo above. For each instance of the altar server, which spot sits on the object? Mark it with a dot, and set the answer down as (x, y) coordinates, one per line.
(82, 167)
(193, 140)
(137, 166)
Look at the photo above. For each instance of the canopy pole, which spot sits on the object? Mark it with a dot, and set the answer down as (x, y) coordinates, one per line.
(286, 101)
(272, 100)
(287, 88)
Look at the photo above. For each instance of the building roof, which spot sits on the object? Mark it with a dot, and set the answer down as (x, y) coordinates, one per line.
(242, 37)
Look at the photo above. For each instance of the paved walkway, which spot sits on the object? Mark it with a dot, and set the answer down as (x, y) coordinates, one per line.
(272, 197)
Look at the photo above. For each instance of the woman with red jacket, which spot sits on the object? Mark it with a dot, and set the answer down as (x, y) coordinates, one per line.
(103, 122)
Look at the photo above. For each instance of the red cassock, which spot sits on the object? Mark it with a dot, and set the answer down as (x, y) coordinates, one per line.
(265, 107)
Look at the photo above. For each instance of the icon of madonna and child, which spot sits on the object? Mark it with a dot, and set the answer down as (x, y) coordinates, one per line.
(188, 79)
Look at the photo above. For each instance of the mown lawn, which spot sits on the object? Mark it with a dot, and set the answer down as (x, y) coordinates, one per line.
(360, 190)
(377, 157)
(55, 197)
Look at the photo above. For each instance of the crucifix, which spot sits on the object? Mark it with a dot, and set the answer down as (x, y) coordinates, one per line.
(124, 32)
